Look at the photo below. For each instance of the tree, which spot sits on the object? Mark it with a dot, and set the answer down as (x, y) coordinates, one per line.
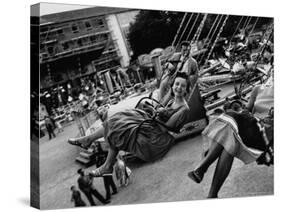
(157, 29)
(153, 29)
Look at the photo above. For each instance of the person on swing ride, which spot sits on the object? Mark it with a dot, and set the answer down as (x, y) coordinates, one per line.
(137, 132)
(238, 134)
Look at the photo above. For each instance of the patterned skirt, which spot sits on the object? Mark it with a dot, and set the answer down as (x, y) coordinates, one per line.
(224, 131)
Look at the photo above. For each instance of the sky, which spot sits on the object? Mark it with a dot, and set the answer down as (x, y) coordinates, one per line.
(49, 8)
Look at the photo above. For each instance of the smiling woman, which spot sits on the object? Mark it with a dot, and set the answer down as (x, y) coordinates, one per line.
(135, 131)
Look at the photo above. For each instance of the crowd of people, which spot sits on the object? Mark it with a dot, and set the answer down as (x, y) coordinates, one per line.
(145, 132)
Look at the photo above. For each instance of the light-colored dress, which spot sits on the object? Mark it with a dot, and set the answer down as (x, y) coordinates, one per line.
(238, 133)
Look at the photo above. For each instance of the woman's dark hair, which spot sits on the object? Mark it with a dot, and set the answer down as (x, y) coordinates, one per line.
(184, 76)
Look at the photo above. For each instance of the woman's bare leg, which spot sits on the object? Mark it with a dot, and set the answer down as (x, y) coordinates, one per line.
(107, 167)
(213, 153)
(110, 159)
(222, 171)
(86, 140)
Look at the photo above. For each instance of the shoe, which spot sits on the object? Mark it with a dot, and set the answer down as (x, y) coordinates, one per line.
(195, 176)
(106, 202)
(74, 142)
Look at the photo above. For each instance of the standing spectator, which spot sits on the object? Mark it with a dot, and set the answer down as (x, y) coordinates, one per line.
(76, 197)
(107, 180)
(85, 183)
(50, 127)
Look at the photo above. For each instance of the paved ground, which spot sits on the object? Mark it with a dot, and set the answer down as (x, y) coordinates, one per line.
(162, 181)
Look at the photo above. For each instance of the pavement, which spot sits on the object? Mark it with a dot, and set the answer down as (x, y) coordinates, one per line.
(164, 180)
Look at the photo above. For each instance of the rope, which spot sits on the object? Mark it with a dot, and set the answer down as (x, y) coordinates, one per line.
(175, 38)
(184, 30)
(192, 26)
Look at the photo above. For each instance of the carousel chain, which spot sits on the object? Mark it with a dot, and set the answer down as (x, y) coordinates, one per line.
(218, 36)
(268, 32)
(201, 27)
(236, 29)
(192, 26)
(199, 30)
(245, 23)
(212, 35)
(184, 30)
(214, 32)
(177, 34)
(267, 35)
(207, 37)
(248, 23)
(254, 26)
(212, 27)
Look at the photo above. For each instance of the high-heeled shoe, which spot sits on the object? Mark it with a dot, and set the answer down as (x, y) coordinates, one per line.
(74, 142)
(196, 177)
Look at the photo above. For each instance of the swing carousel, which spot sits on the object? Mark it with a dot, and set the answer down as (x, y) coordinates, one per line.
(235, 68)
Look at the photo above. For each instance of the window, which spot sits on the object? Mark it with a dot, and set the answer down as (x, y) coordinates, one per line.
(65, 46)
(50, 49)
(60, 31)
(93, 38)
(74, 28)
(79, 41)
(88, 25)
(100, 23)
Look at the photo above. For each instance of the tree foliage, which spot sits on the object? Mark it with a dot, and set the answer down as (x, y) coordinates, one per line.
(153, 29)
(157, 29)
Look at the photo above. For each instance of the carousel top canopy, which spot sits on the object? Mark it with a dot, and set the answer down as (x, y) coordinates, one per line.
(164, 54)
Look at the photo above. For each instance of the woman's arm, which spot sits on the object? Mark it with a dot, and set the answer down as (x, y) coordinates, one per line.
(164, 101)
(164, 88)
(178, 119)
(252, 99)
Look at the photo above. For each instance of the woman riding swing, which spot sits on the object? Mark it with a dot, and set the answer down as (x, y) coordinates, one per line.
(235, 134)
(135, 131)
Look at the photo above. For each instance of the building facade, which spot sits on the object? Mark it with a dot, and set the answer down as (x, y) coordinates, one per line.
(83, 43)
